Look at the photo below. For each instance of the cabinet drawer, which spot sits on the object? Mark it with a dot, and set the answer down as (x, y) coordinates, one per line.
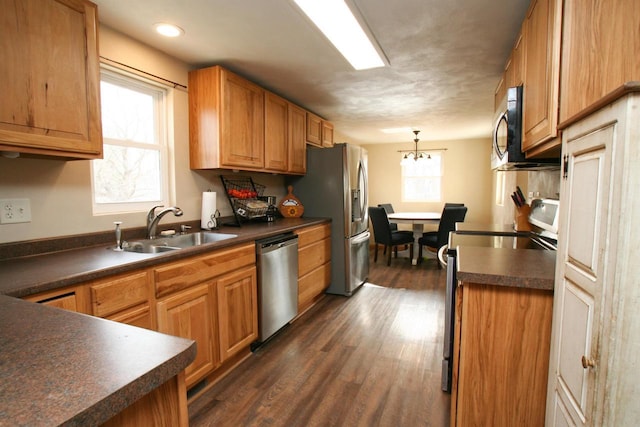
(72, 299)
(116, 294)
(136, 316)
(312, 285)
(309, 235)
(313, 256)
(183, 274)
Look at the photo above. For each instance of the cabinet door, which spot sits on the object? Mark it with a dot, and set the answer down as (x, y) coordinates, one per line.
(327, 134)
(238, 311)
(541, 72)
(297, 140)
(599, 51)
(242, 140)
(580, 278)
(190, 314)
(276, 117)
(314, 130)
(49, 78)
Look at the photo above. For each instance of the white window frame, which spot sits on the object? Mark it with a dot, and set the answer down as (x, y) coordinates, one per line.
(161, 94)
(407, 198)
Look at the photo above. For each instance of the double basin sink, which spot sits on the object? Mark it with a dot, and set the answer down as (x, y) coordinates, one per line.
(175, 242)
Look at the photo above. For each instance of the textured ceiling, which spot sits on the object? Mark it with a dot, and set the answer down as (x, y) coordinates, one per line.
(445, 56)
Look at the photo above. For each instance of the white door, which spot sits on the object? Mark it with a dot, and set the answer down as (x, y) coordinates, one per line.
(580, 276)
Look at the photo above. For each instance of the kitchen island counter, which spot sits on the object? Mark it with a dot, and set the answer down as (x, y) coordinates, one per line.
(59, 367)
(524, 268)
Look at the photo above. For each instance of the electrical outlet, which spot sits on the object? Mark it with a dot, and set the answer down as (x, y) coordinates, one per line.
(15, 210)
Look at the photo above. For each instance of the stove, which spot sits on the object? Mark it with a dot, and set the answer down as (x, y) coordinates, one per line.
(544, 223)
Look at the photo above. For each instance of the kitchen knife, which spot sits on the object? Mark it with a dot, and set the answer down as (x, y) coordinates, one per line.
(521, 197)
(515, 200)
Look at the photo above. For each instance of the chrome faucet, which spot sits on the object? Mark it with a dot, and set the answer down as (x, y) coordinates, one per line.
(153, 219)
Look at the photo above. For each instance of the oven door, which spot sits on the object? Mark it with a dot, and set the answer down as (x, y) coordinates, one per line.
(449, 321)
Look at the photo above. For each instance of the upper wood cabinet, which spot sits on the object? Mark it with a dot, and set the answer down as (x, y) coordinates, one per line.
(49, 78)
(541, 77)
(600, 50)
(226, 121)
(319, 131)
(327, 134)
(276, 133)
(285, 149)
(297, 159)
(314, 130)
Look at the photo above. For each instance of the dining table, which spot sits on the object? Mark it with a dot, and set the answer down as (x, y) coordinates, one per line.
(418, 221)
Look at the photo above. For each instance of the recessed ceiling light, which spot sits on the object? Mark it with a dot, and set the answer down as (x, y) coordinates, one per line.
(168, 30)
(338, 23)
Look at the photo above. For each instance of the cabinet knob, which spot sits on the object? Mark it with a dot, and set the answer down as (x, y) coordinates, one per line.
(588, 363)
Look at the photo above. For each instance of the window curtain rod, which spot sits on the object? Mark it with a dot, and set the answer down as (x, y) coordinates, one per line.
(137, 70)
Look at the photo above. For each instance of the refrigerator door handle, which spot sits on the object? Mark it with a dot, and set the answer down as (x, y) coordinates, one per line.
(362, 182)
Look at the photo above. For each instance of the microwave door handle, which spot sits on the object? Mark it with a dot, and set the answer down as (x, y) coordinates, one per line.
(496, 148)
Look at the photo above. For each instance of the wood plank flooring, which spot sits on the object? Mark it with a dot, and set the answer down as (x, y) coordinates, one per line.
(373, 359)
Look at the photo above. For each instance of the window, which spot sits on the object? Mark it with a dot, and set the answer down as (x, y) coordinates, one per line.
(422, 180)
(133, 175)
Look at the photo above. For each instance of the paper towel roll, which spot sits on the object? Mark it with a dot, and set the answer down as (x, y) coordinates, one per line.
(208, 210)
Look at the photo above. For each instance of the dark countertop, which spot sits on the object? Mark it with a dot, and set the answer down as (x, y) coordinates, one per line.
(20, 277)
(524, 268)
(62, 367)
(482, 228)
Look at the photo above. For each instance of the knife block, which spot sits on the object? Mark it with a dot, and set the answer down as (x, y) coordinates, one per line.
(521, 222)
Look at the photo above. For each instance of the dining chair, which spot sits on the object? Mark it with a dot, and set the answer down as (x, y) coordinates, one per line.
(384, 236)
(388, 208)
(434, 240)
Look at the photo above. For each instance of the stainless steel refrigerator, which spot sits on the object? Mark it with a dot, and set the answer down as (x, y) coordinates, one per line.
(335, 186)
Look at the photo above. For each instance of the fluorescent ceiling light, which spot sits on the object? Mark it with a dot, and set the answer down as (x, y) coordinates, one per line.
(397, 130)
(168, 30)
(339, 25)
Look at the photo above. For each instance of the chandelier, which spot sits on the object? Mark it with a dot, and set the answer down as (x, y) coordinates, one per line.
(415, 155)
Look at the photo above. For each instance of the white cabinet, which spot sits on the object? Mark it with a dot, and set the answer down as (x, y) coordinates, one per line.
(593, 375)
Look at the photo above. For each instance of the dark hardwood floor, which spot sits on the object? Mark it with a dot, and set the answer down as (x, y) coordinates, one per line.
(373, 359)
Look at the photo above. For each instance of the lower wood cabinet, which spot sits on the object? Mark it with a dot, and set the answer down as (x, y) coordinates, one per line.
(192, 314)
(314, 264)
(237, 311)
(211, 299)
(72, 299)
(125, 298)
(501, 356)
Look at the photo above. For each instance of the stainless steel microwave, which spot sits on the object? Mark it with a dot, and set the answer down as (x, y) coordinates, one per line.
(506, 153)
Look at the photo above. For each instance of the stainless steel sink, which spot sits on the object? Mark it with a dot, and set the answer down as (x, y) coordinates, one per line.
(172, 243)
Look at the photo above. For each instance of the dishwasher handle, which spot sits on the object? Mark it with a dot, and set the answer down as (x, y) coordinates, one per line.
(276, 242)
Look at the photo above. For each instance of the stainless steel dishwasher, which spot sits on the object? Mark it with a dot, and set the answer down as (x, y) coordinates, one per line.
(277, 283)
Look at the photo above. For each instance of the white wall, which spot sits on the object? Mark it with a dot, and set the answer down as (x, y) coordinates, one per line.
(60, 191)
(467, 176)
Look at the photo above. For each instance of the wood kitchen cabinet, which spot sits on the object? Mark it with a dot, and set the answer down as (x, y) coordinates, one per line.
(297, 159)
(226, 121)
(596, 329)
(541, 75)
(319, 131)
(276, 132)
(192, 314)
(237, 311)
(284, 136)
(72, 298)
(501, 348)
(203, 297)
(599, 51)
(314, 264)
(126, 298)
(50, 110)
